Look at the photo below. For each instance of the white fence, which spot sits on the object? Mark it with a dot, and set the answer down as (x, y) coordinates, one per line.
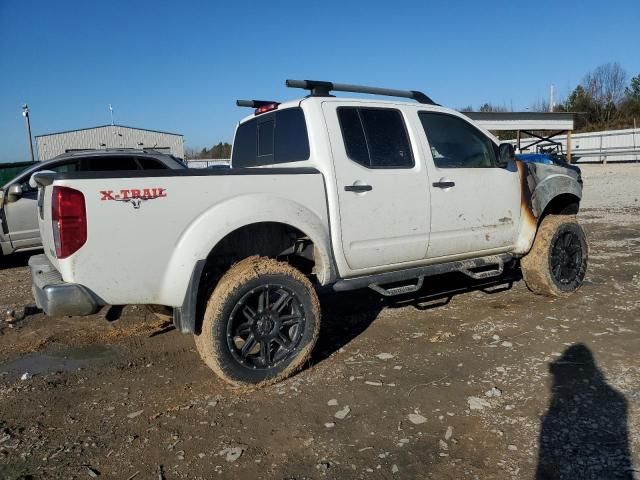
(611, 145)
(207, 162)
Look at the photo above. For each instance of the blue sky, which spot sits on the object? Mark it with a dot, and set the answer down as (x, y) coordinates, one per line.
(179, 66)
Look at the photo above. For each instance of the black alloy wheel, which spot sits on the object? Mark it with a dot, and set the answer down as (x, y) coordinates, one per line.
(265, 326)
(566, 258)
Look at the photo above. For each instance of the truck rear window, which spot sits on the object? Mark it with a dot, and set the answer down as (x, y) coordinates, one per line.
(276, 137)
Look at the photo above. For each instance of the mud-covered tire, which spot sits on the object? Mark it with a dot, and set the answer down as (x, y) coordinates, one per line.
(269, 301)
(557, 262)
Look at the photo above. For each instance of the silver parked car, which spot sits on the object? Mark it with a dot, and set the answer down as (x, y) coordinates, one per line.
(18, 199)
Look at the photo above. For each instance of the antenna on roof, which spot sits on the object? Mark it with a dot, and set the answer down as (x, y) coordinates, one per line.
(320, 88)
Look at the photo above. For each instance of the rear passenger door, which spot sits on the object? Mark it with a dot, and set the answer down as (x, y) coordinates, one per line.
(381, 184)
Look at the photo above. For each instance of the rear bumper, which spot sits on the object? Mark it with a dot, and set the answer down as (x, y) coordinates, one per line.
(57, 297)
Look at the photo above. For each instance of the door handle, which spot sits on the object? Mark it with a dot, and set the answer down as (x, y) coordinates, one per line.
(358, 188)
(444, 184)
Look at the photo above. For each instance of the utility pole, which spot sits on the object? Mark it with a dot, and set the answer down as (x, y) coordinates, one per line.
(551, 102)
(25, 114)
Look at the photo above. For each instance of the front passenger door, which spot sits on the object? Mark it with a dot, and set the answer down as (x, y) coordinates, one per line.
(475, 205)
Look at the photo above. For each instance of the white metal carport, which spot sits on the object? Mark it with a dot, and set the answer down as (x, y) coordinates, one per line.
(529, 123)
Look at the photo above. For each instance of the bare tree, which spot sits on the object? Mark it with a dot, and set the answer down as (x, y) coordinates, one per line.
(490, 107)
(540, 105)
(191, 153)
(606, 85)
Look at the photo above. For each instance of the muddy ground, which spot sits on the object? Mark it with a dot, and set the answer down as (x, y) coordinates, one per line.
(491, 384)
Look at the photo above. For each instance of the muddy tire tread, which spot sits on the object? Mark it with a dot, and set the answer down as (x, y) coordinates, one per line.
(234, 278)
(535, 265)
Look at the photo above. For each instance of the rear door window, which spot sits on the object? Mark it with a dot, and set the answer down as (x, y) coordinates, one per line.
(375, 137)
(271, 138)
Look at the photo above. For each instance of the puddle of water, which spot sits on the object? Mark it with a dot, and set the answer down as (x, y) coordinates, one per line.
(68, 360)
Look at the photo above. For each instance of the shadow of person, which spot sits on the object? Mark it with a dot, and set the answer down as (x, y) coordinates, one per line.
(345, 316)
(584, 432)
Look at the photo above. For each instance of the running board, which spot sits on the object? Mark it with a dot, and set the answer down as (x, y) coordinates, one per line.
(389, 292)
(464, 266)
(485, 273)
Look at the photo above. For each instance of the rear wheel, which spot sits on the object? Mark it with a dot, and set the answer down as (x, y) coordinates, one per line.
(557, 262)
(261, 323)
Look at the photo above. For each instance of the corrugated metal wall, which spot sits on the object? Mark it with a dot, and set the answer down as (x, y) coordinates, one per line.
(108, 136)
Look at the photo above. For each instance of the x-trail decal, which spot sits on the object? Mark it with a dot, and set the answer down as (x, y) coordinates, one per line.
(133, 196)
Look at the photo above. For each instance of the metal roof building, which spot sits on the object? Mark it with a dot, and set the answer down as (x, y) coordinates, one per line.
(108, 136)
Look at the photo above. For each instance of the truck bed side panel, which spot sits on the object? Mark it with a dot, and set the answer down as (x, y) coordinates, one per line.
(143, 250)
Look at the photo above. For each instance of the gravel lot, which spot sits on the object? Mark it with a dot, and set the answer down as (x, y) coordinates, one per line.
(488, 384)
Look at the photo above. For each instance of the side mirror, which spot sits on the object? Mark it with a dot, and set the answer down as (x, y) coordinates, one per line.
(14, 193)
(506, 154)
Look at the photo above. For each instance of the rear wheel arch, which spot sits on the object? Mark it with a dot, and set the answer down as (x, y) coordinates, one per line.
(274, 240)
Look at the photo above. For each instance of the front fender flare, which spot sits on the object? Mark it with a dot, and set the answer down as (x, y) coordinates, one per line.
(550, 188)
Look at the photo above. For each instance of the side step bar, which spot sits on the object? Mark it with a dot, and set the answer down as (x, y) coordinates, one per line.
(463, 266)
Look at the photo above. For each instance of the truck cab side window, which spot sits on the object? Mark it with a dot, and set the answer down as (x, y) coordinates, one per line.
(455, 143)
(375, 137)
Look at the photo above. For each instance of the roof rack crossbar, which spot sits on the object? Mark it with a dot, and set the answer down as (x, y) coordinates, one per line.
(320, 88)
(254, 103)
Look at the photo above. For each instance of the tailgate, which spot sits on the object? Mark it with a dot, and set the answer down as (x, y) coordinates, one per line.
(45, 189)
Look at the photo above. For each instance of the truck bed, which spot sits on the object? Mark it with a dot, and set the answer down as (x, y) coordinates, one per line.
(150, 223)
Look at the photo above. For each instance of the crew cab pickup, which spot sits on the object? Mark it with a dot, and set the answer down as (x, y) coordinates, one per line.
(345, 192)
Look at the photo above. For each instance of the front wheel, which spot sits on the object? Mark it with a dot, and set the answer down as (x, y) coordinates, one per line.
(557, 262)
(261, 323)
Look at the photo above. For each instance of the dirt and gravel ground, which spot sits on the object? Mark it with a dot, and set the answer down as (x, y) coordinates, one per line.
(487, 385)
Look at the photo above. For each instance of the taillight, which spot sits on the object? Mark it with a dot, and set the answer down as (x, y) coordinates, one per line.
(69, 219)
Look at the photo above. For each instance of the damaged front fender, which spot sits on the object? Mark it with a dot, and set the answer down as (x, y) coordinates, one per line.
(541, 183)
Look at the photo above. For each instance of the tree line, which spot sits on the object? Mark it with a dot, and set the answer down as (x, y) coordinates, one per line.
(606, 99)
(219, 151)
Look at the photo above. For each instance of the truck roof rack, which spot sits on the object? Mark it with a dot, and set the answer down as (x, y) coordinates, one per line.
(320, 88)
(255, 103)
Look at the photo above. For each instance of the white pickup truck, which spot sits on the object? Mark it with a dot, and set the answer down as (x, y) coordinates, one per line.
(322, 191)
